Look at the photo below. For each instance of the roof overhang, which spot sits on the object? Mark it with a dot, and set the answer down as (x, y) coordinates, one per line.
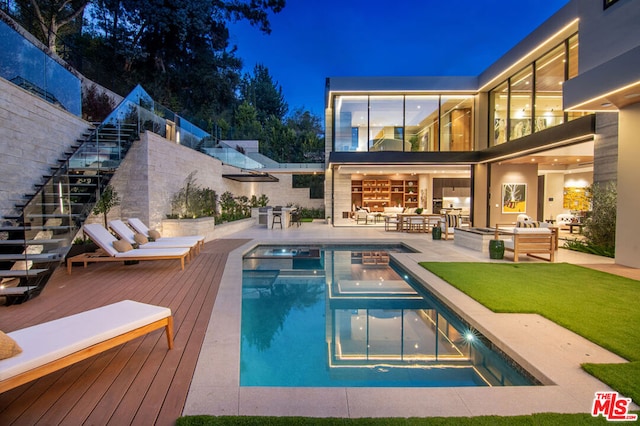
(251, 177)
(607, 87)
(574, 132)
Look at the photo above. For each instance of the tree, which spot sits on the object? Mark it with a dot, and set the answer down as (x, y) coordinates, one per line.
(108, 200)
(265, 95)
(309, 140)
(277, 141)
(246, 124)
(178, 50)
(51, 17)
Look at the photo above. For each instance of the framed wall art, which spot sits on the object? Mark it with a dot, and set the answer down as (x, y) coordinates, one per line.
(514, 198)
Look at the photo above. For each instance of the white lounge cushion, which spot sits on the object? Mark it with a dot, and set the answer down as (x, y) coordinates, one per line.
(531, 231)
(50, 341)
(127, 234)
(140, 227)
(104, 240)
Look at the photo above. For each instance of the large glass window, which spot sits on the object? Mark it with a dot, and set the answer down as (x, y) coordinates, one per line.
(549, 80)
(403, 123)
(499, 104)
(520, 104)
(421, 117)
(386, 123)
(350, 123)
(531, 100)
(456, 123)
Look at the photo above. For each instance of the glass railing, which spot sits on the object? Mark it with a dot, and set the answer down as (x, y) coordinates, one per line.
(25, 65)
(232, 157)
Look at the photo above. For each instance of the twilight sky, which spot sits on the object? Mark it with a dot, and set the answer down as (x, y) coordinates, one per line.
(315, 39)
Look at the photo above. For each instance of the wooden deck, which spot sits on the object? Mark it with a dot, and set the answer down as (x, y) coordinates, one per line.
(141, 382)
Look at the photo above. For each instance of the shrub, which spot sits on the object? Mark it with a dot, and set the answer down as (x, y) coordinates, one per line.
(586, 247)
(600, 226)
(193, 201)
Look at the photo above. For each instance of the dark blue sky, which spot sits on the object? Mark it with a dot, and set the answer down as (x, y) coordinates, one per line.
(314, 39)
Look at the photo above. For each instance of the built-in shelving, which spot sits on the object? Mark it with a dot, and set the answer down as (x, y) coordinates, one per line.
(376, 194)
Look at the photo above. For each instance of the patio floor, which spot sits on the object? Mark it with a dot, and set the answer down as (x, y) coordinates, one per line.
(142, 382)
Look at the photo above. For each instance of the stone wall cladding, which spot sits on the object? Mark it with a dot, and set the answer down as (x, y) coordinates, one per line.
(35, 134)
(155, 169)
(605, 164)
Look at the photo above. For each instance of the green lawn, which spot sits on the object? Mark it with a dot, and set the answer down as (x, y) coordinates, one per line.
(546, 419)
(598, 306)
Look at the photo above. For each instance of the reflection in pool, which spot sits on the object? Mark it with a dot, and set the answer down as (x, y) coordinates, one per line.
(347, 316)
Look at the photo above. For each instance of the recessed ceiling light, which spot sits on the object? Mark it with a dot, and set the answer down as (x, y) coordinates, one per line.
(555, 159)
(631, 95)
(606, 104)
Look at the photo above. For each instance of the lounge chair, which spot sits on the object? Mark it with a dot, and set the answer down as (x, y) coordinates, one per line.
(449, 225)
(143, 229)
(127, 234)
(109, 253)
(56, 344)
(530, 240)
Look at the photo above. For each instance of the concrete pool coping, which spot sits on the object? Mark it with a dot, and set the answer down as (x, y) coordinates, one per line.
(550, 352)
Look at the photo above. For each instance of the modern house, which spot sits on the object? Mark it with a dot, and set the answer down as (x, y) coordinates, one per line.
(557, 113)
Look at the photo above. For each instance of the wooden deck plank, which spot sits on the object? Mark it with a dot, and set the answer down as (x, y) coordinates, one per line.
(140, 382)
(126, 412)
(174, 399)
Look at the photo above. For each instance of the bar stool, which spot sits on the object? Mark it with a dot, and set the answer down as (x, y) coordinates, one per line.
(277, 216)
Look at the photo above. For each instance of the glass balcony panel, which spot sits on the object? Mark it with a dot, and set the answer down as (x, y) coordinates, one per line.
(520, 104)
(350, 123)
(27, 66)
(421, 118)
(499, 99)
(386, 125)
(549, 80)
(456, 119)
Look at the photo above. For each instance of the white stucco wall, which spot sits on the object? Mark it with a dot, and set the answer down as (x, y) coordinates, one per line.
(627, 229)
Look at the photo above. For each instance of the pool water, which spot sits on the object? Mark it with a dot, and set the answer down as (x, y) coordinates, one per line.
(323, 316)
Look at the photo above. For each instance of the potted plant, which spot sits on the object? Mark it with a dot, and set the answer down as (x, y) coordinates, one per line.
(81, 245)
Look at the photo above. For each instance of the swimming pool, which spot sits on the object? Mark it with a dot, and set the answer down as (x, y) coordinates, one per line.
(325, 316)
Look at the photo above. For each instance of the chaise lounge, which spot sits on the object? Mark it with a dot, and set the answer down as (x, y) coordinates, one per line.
(127, 234)
(109, 253)
(56, 344)
(143, 229)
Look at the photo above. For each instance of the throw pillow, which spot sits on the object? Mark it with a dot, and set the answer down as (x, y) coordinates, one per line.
(140, 239)
(8, 346)
(528, 224)
(154, 234)
(122, 246)
(452, 220)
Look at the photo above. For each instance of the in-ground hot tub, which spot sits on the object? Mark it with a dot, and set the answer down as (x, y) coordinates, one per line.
(476, 238)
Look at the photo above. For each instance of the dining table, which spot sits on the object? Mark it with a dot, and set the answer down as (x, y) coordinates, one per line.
(424, 222)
